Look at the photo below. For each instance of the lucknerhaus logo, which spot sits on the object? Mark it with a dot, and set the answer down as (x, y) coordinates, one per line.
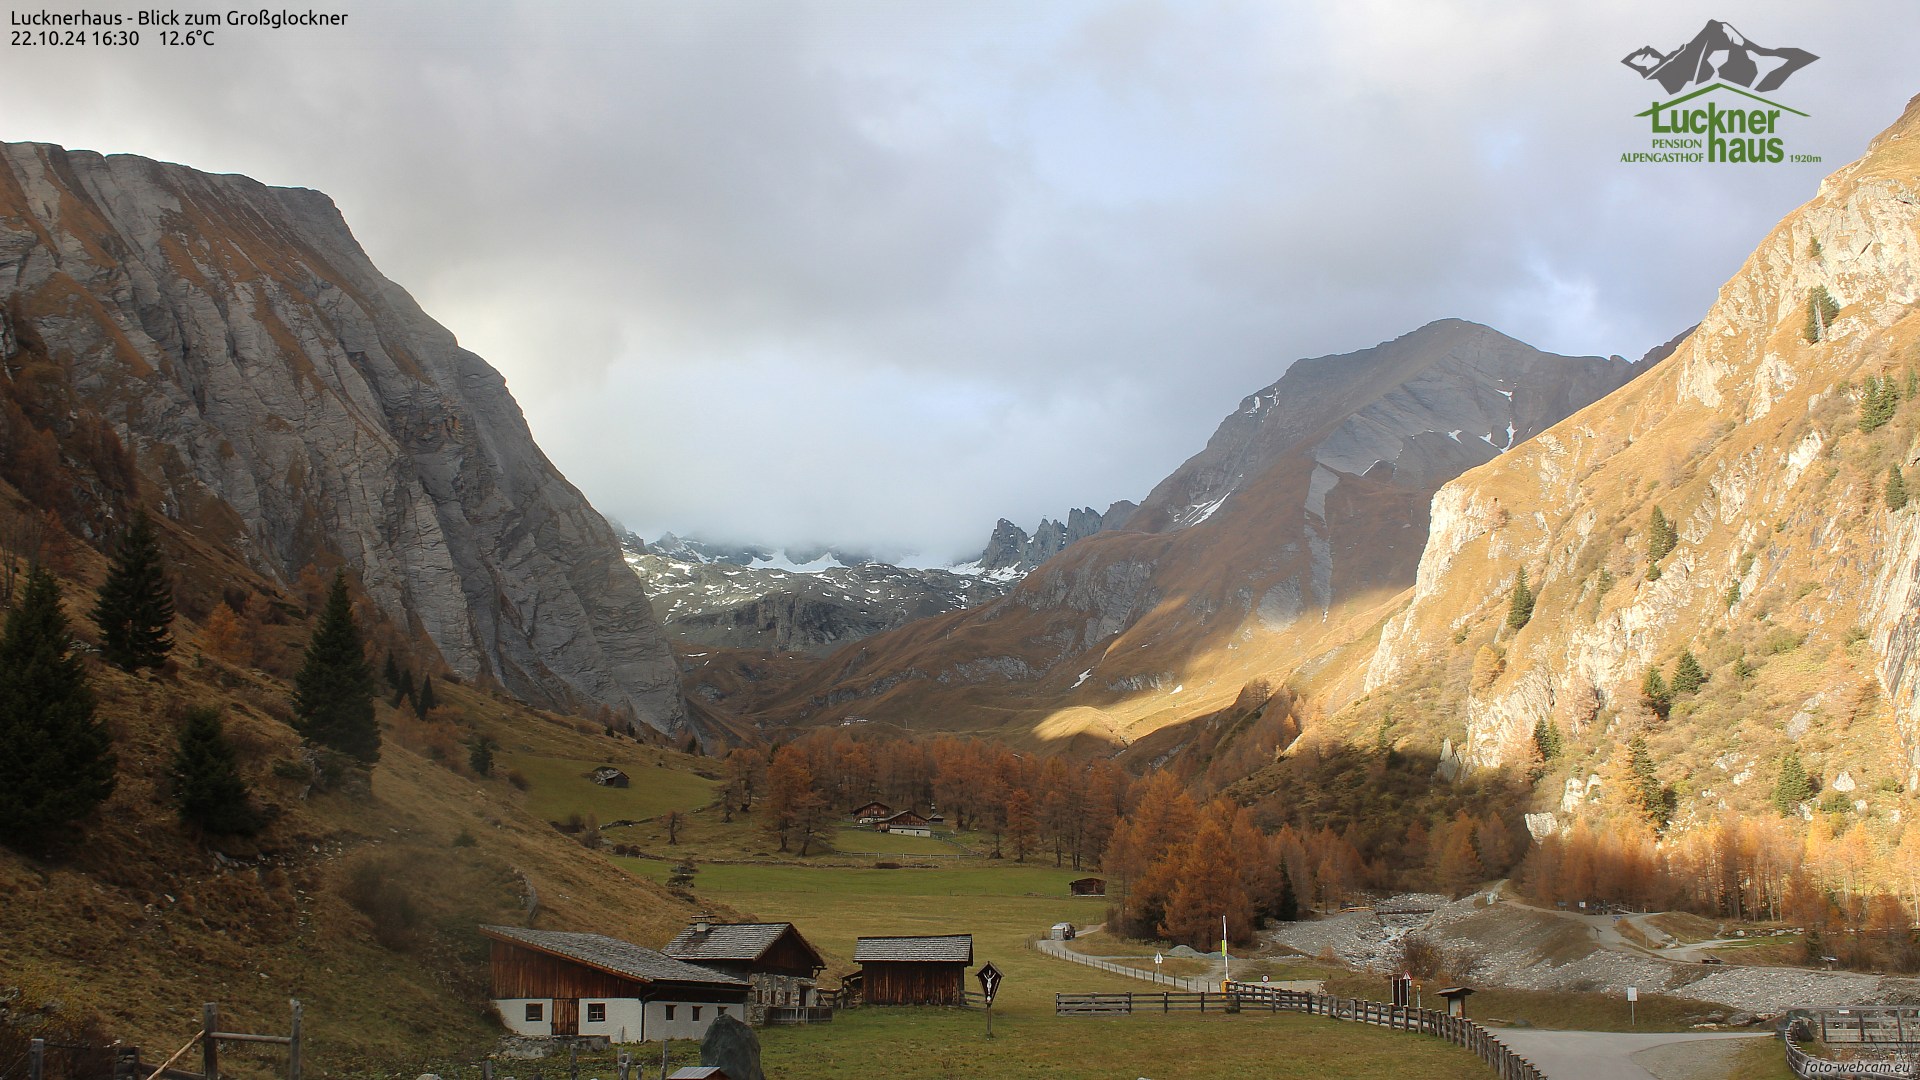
(1725, 119)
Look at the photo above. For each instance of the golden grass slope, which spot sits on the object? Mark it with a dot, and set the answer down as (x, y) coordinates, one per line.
(1786, 581)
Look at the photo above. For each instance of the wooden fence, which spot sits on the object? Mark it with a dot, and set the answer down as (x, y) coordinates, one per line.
(1803, 1024)
(1059, 951)
(1243, 996)
(128, 1065)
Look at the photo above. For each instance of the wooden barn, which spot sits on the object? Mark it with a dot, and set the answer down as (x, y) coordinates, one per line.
(914, 970)
(553, 983)
(1088, 886)
(782, 967)
(907, 823)
(872, 812)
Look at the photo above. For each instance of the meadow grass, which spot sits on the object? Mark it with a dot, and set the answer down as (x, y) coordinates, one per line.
(1004, 906)
(558, 786)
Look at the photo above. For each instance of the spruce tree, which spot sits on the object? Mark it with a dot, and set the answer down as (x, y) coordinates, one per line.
(1822, 309)
(403, 690)
(1896, 489)
(1879, 401)
(56, 759)
(1287, 908)
(1660, 536)
(1687, 674)
(1653, 689)
(333, 693)
(1793, 787)
(391, 673)
(1547, 739)
(1649, 794)
(135, 609)
(480, 755)
(1520, 606)
(424, 703)
(207, 786)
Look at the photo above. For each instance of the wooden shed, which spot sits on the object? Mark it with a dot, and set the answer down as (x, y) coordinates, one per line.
(551, 983)
(872, 812)
(1088, 886)
(914, 970)
(782, 967)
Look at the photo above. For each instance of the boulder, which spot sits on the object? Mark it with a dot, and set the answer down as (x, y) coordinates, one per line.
(733, 1048)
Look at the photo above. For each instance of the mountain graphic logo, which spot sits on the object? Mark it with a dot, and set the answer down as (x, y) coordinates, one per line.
(1718, 53)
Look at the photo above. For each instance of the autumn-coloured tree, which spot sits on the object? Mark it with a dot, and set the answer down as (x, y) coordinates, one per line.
(222, 636)
(1023, 829)
(789, 785)
(1206, 887)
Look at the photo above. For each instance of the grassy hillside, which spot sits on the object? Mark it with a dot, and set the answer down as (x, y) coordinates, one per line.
(360, 902)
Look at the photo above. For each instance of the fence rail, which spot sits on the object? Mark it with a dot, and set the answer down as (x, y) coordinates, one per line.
(1241, 996)
(798, 1014)
(1801, 1026)
(1059, 951)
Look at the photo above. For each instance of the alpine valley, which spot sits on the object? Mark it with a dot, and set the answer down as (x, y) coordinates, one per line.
(1445, 613)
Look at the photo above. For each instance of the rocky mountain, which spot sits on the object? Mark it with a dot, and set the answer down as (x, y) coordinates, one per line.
(1307, 507)
(1010, 552)
(759, 599)
(1718, 52)
(1776, 446)
(291, 403)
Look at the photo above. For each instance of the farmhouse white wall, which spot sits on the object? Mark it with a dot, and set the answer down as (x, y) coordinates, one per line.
(624, 1022)
(513, 1013)
(683, 1025)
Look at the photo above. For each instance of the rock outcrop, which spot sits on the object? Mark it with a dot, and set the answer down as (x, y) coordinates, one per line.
(1791, 571)
(299, 407)
(1010, 552)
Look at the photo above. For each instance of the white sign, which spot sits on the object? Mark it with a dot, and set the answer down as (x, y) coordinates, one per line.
(1633, 994)
(1158, 959)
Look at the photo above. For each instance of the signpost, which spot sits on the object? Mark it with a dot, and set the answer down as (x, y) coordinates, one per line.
(1633, 995)
(989, 977)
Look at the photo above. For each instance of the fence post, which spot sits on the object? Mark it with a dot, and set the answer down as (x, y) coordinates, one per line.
(293, 1046)
(36, 1059)
(209, 1046)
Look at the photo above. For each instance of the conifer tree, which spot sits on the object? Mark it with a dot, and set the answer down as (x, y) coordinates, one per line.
(391, 673)
(207, 786)
(403, 690)
(1520, 606)
(1023, 829)
(333, 693)
(135, 609)
(1547, 739)
(1287, 905)
(1793, 787)
(1822, 309)
(424, 703)
(1896, 489)
(1660, 536)
(1687, 674)
(480, 755)
(1649, 794)
(56, 759)
(1879, 400)
(1653, 690)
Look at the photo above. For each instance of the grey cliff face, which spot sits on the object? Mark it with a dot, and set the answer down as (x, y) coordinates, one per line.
(1011, 552)
(240, 340)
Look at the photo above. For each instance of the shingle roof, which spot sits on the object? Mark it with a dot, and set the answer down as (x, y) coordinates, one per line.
(727, 941)
(611, 955)
(945, 949)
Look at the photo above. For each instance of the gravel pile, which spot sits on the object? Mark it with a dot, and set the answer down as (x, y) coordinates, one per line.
(1503, 945)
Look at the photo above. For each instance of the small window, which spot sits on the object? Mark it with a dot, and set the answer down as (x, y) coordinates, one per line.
(596, 1012)
(669, 1012)
(536, 1012)
(696, 1014)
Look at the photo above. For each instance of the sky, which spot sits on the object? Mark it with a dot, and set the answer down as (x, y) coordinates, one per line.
(878, 274)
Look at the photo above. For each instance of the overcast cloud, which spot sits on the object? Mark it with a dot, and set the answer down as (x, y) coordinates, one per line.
(877, 274)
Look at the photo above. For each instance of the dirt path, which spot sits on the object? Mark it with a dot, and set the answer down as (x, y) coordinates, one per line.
(1605, 1055)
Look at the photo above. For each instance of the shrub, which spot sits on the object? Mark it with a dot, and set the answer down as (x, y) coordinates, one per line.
(373, 891)
(518, 779)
